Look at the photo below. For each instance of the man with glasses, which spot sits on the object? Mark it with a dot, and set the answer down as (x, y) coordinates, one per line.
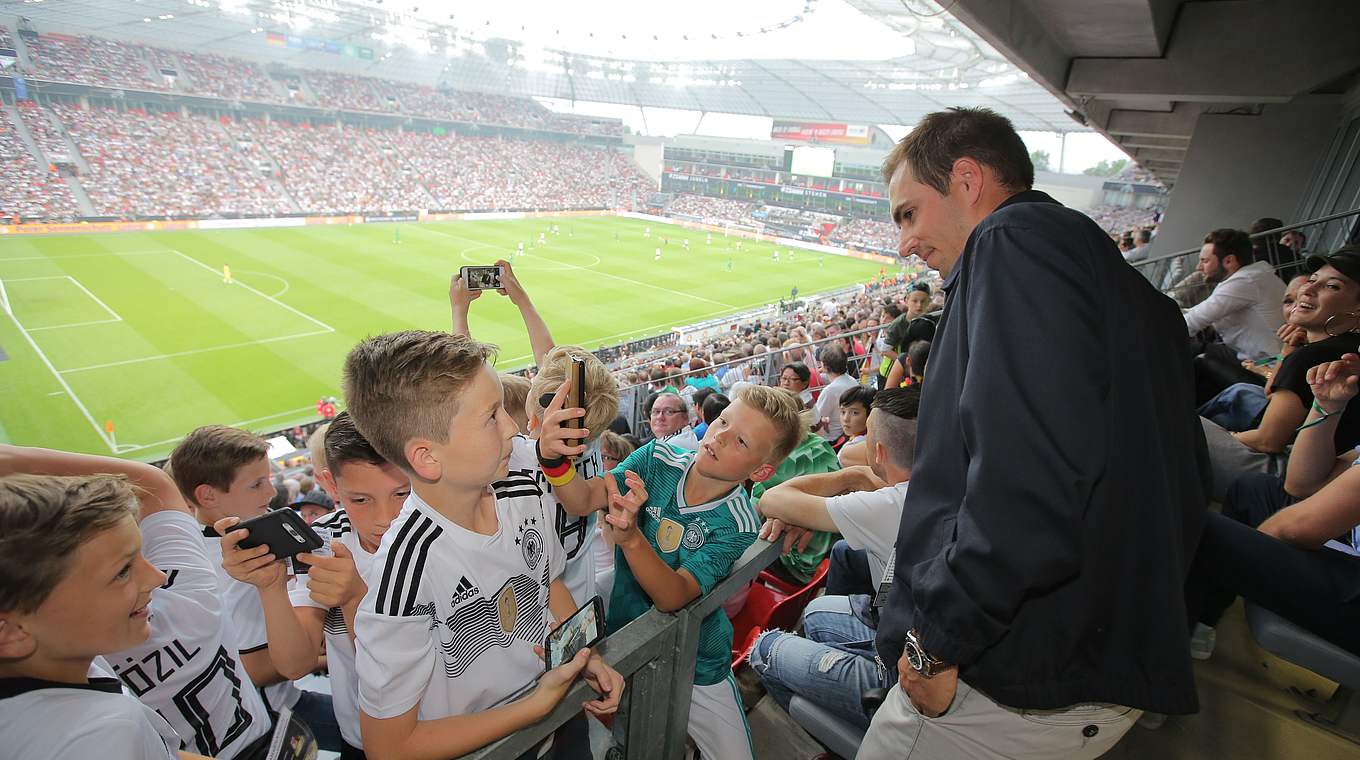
(669, 419)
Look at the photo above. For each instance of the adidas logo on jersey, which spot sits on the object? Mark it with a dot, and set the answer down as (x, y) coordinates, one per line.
(465, 591)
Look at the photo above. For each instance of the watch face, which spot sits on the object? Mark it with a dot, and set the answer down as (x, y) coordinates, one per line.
(915, 656)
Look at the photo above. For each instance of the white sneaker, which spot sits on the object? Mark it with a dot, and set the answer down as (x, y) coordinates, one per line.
(1202, 642)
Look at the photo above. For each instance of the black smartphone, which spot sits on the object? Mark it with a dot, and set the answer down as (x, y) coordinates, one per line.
(482, 278)
(585, 628)
(577, 399)
(283, 530)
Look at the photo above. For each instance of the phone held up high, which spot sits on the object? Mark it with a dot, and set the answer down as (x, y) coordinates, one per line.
(482, 277)
(578, 392)
(585, 628)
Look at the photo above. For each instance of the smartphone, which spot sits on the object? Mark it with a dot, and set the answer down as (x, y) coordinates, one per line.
(577, 399)
(585, 628)
(482, 278)
(284, 531)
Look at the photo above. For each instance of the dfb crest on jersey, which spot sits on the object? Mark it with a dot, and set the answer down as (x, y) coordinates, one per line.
(694, 536)
(530, 542)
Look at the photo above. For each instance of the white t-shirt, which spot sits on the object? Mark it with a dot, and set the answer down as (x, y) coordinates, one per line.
(339, 646)
(575, 534)
(829, 405)
(44, 720)
(243, 606)
(188, 670)
(869, 520)
(451, 616)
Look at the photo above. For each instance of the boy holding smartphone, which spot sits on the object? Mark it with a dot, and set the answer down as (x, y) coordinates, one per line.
(224, 472)
(370, 492)
(462, 593)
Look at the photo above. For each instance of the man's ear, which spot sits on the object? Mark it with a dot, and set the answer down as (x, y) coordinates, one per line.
(880, 453)
(15, 641)
(763, 473)
(968, 175)
(420, 454)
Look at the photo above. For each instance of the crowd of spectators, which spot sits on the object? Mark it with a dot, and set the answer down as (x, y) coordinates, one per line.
(92, 60)
(27, 188)
(163, 164)
(110, 63)
(43, 132)
(868, 234)
(1123, 220)
(339, 169)
(711, 209)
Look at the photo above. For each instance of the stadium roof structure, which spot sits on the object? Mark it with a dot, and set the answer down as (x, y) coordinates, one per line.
(775, 58)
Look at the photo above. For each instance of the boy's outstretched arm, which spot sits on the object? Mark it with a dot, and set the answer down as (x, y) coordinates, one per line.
(155, 490)
(540, 339)
(406, 737)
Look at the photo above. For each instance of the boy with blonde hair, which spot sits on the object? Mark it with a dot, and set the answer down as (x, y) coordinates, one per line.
(679, 519)
(464, 588)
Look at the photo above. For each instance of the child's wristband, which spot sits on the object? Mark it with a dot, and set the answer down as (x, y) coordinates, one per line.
(546, 463)
(559, 480)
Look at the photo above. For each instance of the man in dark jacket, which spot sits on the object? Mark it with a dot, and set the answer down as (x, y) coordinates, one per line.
(1061, 476)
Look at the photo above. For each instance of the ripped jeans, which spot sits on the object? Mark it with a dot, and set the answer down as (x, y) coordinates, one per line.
(832, 667)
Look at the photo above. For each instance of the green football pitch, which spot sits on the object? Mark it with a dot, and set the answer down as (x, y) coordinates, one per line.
(139, 330)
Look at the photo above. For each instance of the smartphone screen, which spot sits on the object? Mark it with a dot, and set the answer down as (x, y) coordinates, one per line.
(583, 629)
(482, 278)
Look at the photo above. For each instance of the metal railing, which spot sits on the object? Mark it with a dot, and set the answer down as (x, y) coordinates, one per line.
(656, 655)
(1179, 257)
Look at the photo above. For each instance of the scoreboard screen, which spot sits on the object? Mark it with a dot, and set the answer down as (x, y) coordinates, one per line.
(809, 160)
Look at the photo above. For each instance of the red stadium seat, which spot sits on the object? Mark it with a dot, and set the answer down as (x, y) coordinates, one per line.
(772, 603)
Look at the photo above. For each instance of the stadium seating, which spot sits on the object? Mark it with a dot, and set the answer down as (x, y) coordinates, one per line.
(868, 234)
(711, 209)
(41, 129)
(149, 164)
(92, 60)
(224, 77)
(1290, 642)
(28, 189)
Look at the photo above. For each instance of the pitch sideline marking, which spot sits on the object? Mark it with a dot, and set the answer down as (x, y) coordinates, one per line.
(99, 431)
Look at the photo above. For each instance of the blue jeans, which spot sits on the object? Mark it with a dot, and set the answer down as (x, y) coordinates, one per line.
(1237, 407)
(315, 709)
(832, 667)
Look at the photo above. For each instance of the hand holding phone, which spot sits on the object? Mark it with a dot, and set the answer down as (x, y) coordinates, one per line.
(283, 531)
(585, 628)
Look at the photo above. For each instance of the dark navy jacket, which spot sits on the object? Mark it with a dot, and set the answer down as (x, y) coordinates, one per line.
(1061, 477)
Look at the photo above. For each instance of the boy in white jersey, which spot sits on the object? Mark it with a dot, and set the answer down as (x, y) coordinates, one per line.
(465, 585)
(576, 531)
(370, 493)
(224, 472)
(681, 521)
(77, 585)
(73, 586)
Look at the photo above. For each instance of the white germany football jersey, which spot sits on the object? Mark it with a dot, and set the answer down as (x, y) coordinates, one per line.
(339, 646)
(188, 671)
(243, 607)
(576, 534)
(451, 616)
(44, 720)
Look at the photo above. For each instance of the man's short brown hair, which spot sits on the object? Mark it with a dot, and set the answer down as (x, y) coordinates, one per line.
(1230, 242)
(405, 385)
(785, 413)
(212, 455)
(43, 521)
(943, 137)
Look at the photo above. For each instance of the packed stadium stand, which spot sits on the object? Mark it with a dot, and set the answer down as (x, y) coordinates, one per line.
(27, 187)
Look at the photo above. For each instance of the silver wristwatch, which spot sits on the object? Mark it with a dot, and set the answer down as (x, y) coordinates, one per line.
(920, 661)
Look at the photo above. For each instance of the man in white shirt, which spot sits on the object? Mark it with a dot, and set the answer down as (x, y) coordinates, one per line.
(829, 402)
(1245, 305)
(834, 664)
